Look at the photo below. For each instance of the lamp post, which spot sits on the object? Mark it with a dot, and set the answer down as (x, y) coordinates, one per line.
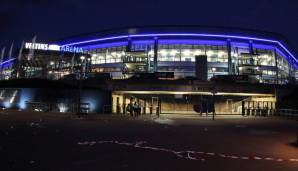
(80, 84)
(213, 91)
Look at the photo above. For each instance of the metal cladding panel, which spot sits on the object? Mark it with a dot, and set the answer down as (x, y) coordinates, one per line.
(201, 67)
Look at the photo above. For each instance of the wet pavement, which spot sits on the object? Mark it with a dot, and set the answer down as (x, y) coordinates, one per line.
(44, 141)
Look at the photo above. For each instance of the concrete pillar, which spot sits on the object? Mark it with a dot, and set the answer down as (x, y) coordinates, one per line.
(243, 108)
(155, 54)
(158, 107)
(131, 104)
(201, 67)
(144, 107)
(118, 107)
(251, 50)
(276, 67)
(129, 45)
(151, 106)
(124, 105)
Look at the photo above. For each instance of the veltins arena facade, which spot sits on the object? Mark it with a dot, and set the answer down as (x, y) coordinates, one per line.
(265, 57)
(179, 56)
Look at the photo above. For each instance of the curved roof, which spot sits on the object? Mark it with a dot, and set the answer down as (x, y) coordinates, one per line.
(182, 31)
(172, 29)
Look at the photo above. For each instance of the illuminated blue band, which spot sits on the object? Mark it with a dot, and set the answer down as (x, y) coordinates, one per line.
(7, 62)
(186, 34)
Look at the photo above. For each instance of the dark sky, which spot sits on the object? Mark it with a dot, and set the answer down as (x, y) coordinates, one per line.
(52, 19)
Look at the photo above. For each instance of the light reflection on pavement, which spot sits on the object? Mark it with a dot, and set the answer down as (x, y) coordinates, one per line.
(185, 154)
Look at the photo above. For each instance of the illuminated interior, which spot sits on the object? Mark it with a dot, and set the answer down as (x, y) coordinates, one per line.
(263, 60)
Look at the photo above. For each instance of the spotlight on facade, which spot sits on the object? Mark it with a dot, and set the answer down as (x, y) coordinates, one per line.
(13, 96)
(7, 104)
(62, 107)
(1, 94)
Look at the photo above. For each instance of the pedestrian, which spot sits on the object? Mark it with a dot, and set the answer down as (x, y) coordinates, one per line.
(135, 109)
(130, 109)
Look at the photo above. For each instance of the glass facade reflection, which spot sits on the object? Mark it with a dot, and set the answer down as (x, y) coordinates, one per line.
(263, 63)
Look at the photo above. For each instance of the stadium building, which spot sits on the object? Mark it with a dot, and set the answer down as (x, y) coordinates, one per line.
(172, 57)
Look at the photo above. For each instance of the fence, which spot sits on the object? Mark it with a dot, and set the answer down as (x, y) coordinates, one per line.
(57, 107)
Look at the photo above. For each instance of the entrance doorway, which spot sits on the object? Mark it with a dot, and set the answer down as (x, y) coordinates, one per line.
(148, 105)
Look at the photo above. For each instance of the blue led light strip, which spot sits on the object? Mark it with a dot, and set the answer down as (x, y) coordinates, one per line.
(185, 34)
(4, 64)
(7, 61)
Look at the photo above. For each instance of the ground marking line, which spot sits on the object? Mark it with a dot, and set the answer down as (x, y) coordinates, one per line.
(188, 154)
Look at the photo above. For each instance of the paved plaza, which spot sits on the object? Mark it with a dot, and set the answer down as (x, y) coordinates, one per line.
(49, 141)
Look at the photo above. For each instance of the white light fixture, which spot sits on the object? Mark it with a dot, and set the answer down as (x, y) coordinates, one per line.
(173, 52)
(151, 52)
(163, 52)
(210, 53)
(82, 58)
(198, 52)
(186, 52)
(220, 54)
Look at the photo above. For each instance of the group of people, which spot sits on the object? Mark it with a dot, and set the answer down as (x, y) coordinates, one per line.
(134, 109)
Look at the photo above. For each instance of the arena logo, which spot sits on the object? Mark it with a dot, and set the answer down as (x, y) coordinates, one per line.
(71, 49)
(42, 46)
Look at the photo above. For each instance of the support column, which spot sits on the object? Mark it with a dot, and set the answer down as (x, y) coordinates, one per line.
(155, 54)
(290, 68)
(276, 67)
(129, 45)
(243, 108)
(251, 50)
(151, 106)
(118, 107)
(124, 105)
(144, 107)
(229, 57)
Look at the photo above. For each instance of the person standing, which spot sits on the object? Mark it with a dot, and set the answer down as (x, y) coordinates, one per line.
(135, 109)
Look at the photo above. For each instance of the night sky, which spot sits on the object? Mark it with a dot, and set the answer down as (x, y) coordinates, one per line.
(54, 19)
